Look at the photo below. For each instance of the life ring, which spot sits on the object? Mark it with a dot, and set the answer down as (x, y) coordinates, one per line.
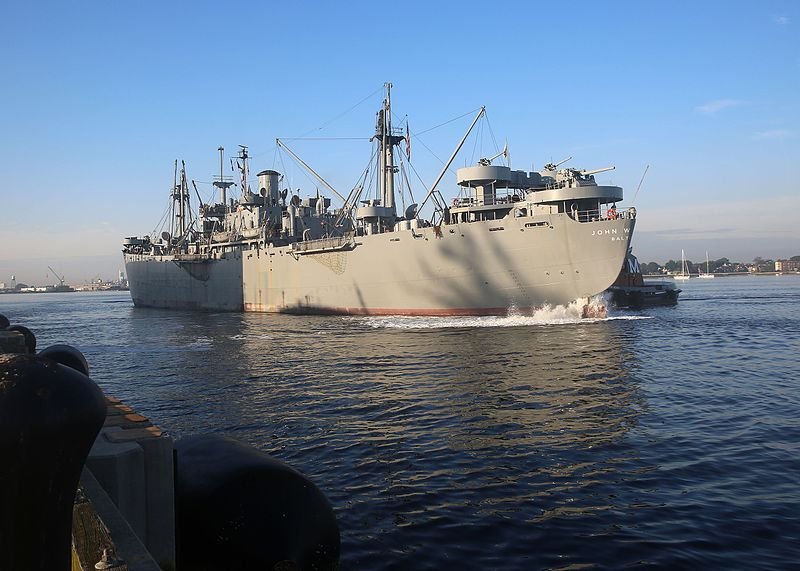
(611, 213)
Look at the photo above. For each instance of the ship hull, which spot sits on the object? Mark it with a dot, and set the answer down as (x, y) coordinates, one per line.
(480, 268)
(170, 283)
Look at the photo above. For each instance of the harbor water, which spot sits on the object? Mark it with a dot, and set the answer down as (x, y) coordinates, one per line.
(667, 437)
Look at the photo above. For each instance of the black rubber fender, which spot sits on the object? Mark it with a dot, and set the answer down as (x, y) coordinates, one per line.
(50, 415)
(239, 508)
(68, 356)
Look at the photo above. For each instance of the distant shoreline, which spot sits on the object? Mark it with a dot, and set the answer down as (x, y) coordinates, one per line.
(728, 274)
(10, 291)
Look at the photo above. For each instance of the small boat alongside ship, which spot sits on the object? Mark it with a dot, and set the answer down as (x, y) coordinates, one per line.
(509, 240)
(631, 290)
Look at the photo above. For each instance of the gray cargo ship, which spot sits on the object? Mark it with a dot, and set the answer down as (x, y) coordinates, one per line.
(509, 241)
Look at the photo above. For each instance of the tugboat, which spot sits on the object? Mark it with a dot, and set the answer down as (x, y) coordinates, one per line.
(630, 289)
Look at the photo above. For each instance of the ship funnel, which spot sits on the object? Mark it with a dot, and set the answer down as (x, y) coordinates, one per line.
(268, 185)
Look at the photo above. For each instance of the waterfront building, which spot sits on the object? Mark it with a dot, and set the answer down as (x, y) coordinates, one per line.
(787, 265)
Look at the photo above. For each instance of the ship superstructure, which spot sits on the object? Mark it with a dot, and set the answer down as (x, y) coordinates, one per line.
(510, 240)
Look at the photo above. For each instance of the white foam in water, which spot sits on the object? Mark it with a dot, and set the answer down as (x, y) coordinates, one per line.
(200, 344)
(243, 337)
(547, 315)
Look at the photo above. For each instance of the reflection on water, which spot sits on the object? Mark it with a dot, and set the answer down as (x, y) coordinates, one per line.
(472, 430)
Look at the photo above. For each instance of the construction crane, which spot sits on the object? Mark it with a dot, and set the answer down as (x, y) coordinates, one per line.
(59, 278)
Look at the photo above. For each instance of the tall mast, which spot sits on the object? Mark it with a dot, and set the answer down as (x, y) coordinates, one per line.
(388, 152)
(180, 199)
(173, 223)
(184, 192)
(387, 141)
(244, 169)
(222, 184)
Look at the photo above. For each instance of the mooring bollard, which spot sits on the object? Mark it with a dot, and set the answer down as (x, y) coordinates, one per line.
(50, 415)
(30, 338)
(238, 508)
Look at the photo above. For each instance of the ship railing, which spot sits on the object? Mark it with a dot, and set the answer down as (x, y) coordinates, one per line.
(509, 197)
(322, 245)
(190, 257)
(596, 215)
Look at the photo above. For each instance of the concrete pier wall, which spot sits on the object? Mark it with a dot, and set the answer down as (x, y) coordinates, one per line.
(132, 461)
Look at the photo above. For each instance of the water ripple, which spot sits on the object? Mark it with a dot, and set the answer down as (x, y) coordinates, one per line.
(666, 438)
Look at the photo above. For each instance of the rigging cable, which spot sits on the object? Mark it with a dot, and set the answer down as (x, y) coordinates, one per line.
(160, 224)
(468, 113)
(379, 90)
(326, 139)
(491, 132)
(425, 186)
(478, 138)
(640, 184)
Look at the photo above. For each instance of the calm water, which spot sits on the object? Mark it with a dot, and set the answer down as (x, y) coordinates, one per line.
(668, 437)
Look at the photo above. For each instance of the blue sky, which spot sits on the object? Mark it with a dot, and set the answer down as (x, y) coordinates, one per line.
(99, 98)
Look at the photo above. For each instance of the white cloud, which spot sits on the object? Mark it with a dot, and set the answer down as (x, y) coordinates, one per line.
(717, 105)
(775, 135)
(782, 20)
